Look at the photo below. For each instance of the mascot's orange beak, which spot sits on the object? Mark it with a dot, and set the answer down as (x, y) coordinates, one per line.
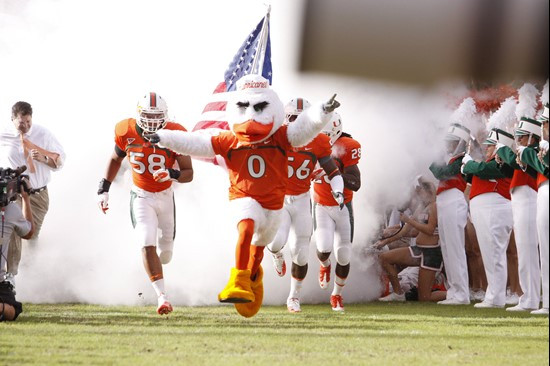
(251, 131)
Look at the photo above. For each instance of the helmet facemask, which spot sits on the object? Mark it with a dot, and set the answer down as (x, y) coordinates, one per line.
(152, 113)
(294, 108)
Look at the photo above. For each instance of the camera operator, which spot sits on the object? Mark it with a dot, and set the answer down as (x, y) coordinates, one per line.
(14, 220)
(23, 142)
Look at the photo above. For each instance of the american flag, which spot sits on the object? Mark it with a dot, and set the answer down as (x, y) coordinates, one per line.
(253, 57)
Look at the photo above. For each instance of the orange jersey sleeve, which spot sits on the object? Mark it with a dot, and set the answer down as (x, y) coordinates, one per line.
(145, 158)
(256, 170)
(302, 161)
(347, 152)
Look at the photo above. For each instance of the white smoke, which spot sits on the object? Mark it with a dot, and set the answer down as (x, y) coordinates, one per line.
(504, 117)
(544, 95)
(82, 65)
(527, 104)
(466, 115)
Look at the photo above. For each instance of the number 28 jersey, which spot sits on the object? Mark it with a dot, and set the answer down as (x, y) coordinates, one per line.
(347, 152)
(145, 158)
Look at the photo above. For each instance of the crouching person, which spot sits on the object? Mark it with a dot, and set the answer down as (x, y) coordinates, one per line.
(14, 219)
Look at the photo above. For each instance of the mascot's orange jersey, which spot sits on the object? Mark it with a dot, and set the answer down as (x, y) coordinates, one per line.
(301, 164)
(145, 158)
(347, 152)
(256, 170)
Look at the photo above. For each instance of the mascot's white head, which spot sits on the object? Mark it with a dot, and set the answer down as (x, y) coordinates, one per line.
(254, 111)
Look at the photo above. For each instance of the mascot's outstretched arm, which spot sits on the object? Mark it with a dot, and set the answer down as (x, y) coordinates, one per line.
(187, 143)
(310, 123)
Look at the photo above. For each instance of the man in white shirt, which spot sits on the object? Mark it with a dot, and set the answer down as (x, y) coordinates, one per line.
(25, 143)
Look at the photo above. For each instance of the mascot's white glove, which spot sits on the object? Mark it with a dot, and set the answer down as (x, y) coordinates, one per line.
(543, 146)
(103, 201)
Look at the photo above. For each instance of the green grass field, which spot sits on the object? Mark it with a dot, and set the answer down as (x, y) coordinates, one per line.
(375, 333)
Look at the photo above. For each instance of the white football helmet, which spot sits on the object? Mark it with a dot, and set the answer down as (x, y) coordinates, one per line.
(152, 112)
(333, 129)
(295, 107)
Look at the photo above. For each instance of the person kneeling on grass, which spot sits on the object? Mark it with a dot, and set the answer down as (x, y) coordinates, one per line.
(14, 219)
(425, 252)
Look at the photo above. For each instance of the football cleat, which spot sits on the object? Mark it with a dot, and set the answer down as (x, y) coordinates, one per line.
(293, 305)
(238, 288)
(324, 277)
(164, 306)
(337, 303)
(279, 263)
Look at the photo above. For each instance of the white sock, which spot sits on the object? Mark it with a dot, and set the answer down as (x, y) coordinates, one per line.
(295, 288)
(339, 284)
(325, 263)
(158, 285)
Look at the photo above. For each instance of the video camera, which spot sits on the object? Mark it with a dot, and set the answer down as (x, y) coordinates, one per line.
(11, 182)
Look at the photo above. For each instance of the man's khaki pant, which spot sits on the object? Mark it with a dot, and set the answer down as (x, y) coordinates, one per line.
(40, 202)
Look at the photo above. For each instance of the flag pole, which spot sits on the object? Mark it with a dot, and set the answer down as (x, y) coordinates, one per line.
(262, 44)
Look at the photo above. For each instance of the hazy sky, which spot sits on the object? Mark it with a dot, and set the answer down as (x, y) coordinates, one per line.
(83, 65)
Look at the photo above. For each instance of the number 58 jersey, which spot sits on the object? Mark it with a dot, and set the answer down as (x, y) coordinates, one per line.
(145, 158)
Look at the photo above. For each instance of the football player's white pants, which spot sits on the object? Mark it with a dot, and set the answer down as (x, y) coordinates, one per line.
(296, 214)
(452, 213)
(524, 208)
(330, 221)
(492, 219)
(542, 228)
(151, 211)
(266, 222)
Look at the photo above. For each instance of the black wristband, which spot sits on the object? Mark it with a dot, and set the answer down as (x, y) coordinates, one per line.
(174, 174)
(104, 186)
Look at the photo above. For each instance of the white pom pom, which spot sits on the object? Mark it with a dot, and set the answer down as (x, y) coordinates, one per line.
(527, 105)
(504, 118)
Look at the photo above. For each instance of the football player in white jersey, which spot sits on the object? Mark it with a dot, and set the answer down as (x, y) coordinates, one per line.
(297, 206)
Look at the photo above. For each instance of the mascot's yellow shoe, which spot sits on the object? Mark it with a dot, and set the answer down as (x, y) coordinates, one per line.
(238, 288)
(250, 309)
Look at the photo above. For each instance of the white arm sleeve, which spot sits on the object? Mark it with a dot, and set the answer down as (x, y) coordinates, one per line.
(308, 125)
(187, 143)
(337, 184)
